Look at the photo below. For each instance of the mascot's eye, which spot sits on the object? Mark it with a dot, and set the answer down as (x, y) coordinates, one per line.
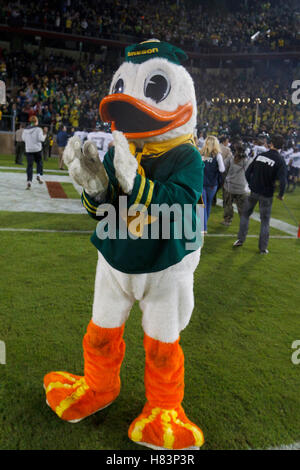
(119, 86)
(157, 86)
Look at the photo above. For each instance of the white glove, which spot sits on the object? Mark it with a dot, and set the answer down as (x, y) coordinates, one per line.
(124, 162)
(85, 167)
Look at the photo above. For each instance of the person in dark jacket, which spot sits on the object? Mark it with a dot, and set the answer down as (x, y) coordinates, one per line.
(214, 167)
(61, 140)
(19, 145)
(261, 175)
(46, 149)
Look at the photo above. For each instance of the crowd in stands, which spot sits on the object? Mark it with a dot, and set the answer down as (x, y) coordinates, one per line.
(223, 24)
(61, 90)
(246, 105)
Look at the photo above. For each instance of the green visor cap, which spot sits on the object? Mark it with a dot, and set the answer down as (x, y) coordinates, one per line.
(139, 53)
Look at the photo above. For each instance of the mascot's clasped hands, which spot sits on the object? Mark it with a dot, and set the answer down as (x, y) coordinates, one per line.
(154, 161)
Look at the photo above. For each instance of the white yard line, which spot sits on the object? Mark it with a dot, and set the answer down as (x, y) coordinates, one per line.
(23, 169)
(275, 223)
(11, 229)
(248, 236)
(294, 446)
(14, 198)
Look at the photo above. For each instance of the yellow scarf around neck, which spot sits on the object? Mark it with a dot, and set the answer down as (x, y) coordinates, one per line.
(157, 149)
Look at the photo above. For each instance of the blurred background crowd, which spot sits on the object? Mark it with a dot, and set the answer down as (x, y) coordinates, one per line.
(184, 22)
(63, 90)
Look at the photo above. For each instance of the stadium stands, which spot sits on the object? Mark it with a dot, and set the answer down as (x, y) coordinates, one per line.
(61, 89)
(224, 24)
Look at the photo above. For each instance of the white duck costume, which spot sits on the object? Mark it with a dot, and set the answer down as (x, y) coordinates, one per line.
(154, 161)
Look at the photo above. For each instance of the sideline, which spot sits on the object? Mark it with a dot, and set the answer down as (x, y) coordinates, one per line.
(14, 198)
(23, 169)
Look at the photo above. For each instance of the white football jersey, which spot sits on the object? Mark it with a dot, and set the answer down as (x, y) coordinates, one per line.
(82, 135)
(295, 159)
(286, 154)
(102, 140)
(257, 149)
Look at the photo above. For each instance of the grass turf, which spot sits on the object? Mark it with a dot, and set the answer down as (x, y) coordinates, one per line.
(34, 220)
(287, 210)
(9, 161)
(70, 191)
(241, 386)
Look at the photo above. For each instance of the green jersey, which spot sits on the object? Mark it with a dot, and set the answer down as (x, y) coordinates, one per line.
(162, 223)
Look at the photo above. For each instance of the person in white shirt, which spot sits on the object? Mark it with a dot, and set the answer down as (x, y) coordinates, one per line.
(82, 135)
(293, 169)
(260, 146)
(201, 140)
(286, 154)
(33, 137)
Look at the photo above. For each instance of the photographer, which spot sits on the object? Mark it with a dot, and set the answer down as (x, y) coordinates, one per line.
(261, 175)
(235, 184)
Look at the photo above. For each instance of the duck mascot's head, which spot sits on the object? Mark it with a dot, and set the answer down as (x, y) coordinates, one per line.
(152, 96)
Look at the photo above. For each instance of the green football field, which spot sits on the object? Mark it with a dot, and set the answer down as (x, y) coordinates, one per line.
(242, 387)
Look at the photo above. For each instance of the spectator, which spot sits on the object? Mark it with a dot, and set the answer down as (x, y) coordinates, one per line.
(260, 146)
(19, 145)
(235, 183)
(61, 140)
(213, 168)
(225, 152)
(33, 137)
(201, 140)
(57, 22)
(261, 176)
(224, 147)
(293, 169)
(229, 27)
(72, 132)
(47, 144)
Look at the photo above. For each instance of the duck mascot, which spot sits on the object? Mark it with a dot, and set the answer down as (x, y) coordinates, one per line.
(153, 164)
